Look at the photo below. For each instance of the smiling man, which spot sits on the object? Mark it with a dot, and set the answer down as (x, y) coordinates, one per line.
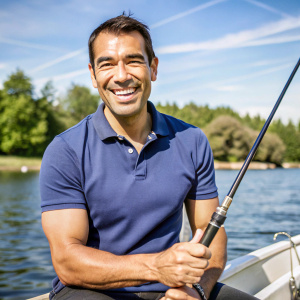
(114, 185)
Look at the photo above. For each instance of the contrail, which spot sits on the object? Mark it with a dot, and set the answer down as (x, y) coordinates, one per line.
(240, 39)
(58, 60)
(186, 13)
(269, 8)
(63, 76)
(27, 45)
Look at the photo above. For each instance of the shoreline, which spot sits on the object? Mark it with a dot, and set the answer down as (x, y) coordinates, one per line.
(219, 165)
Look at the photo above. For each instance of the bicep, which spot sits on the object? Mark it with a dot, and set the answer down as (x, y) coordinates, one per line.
(200, 211)
(64, 227)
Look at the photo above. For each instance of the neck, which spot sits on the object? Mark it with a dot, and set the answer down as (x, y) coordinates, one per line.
(134, 128)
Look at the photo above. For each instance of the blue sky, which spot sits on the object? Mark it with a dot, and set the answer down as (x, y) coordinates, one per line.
(236, 53)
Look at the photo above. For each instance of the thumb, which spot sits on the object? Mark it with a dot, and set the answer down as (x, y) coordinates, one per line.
(197, 237)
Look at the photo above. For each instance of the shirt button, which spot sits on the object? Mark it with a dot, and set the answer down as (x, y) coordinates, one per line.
(130, 150)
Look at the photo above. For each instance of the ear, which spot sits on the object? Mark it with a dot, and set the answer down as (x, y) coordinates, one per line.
(153, 67)
(93, 76)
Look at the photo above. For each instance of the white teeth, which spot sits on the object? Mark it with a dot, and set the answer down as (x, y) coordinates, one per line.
(124, 92)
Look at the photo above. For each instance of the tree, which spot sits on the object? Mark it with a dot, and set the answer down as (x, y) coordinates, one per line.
(290, 135)
(18, 84)
(231, 141)
(54, 113)
(271, 149)
(78, 103)
(23, 124)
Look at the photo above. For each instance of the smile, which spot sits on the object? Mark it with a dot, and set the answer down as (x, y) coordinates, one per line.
(124, 92)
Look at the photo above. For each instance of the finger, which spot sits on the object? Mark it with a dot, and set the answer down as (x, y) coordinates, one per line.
(197, 237)
(198, 250)
(199, 263)
(175, 294)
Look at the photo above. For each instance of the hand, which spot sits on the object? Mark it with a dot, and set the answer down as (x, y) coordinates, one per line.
(183, 263)
(181, 293)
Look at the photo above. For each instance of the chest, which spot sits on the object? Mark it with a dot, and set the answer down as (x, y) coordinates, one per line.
(120, 182)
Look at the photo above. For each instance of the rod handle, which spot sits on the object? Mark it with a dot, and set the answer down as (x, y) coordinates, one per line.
(209, 234)
(217, 220)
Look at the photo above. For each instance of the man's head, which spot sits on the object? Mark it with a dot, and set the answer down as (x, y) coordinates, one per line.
(122, 66)
(118, 25)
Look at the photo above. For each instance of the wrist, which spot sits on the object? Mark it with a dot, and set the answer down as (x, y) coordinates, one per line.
(200, 291)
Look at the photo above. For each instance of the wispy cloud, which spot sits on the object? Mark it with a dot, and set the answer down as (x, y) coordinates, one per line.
(274, 40)
(58, 60)
(186, 13)
(249, 76)
(68, 75)
(236, 40)
(231, 84)
(268, 8)
(28, 45)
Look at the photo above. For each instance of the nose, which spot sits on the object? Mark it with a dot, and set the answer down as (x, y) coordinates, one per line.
(121, 74)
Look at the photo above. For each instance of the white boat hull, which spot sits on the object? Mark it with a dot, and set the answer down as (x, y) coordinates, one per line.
(264, 273)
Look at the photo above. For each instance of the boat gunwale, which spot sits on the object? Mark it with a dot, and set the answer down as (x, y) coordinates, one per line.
(241, 263)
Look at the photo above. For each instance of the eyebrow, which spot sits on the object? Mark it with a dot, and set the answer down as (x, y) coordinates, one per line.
(109, 58)
(102, 59)
(135, 55)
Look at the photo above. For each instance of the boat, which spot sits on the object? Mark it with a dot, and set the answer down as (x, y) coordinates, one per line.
(266, 273)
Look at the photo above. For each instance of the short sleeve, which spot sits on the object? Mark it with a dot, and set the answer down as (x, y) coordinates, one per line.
(60, 178)
(204, 186)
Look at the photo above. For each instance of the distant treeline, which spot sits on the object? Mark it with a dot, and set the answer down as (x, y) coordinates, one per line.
(29, 121)
(232, 136)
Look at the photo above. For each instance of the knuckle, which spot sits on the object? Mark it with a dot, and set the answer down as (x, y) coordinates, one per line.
(180, 247)
(179, 259)
(202, 252)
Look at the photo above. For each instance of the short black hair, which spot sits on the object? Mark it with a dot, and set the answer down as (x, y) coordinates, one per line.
(118, 25)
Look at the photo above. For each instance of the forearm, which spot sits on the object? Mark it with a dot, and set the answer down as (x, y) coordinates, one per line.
(96, 269)
(217, 262)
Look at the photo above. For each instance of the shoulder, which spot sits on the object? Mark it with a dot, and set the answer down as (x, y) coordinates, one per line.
(183, 130)
(68, 144)
(75, 134)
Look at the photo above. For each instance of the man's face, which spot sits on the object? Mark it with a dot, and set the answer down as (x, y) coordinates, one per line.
(122, 72)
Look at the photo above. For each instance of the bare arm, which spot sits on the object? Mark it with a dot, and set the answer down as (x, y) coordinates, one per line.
(199, 213)
(79, 265)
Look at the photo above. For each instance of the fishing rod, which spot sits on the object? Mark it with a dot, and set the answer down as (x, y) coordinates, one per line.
(219, 216)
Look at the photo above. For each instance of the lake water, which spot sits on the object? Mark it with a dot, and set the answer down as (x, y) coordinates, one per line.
(266, 202)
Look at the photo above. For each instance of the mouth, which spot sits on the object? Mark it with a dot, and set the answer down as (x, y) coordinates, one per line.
(124, 92)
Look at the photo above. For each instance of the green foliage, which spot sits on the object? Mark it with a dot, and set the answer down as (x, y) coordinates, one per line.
(230, 141)
(24, 121)
(290, 135)
(198, 116)
(18, 84)
(232, 136)
(271, 149)
(78, 103)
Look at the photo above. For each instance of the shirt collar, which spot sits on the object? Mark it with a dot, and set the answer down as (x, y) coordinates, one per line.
(104, 130)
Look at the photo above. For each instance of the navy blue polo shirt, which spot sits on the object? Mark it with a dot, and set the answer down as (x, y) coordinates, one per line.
(134, 201)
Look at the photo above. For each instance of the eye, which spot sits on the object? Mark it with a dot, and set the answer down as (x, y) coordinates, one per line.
(137, 62)
(106, 65)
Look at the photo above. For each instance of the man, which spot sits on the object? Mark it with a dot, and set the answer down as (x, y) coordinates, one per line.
(113, 187)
